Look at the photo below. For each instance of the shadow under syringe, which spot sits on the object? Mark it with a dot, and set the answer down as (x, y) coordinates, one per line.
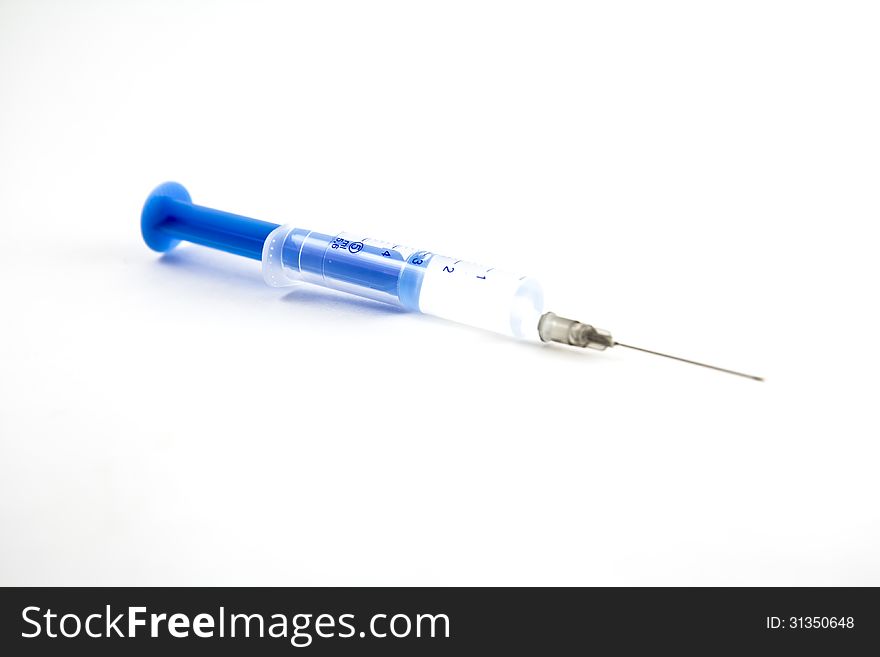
(314, 295)
(240, 274)
(243, 277)
(235, 273)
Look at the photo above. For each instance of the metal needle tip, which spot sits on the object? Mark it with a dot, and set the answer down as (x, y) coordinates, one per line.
(692, 362)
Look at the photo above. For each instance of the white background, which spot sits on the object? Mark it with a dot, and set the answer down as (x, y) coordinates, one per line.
(697, 177)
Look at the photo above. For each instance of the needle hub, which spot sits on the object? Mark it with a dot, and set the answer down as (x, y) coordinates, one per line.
(553, 328)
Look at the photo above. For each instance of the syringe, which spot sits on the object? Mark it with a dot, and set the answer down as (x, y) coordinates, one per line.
(411, 279)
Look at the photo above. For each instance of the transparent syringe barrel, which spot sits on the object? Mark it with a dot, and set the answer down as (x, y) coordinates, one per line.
(411, 279)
